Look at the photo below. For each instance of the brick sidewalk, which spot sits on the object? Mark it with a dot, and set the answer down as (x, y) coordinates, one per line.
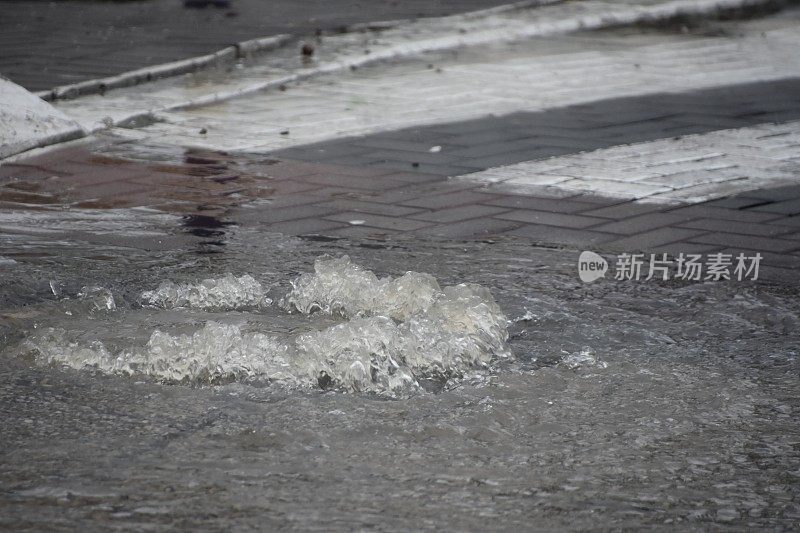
(212, 190)
(46, 44)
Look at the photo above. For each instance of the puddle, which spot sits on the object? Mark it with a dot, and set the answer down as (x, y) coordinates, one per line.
(267, 377)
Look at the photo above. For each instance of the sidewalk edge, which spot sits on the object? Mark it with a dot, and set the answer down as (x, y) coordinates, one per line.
(175, 68)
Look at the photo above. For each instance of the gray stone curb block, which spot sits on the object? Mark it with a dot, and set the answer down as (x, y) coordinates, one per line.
(165, 70)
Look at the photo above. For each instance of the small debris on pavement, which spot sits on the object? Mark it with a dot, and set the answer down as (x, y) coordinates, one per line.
(435, 149)
(307, 50)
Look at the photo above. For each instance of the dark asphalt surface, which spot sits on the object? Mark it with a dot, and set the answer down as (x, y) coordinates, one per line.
(46, 44)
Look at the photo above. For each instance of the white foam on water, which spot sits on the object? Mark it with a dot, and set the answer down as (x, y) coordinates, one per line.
(337, 286)
(213, 353)
(397, 332)
(584, 358)
(99, 298)
(225, 293)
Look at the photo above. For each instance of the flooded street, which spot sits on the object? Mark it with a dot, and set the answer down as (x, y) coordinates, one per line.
(611, 405)
(469, 266)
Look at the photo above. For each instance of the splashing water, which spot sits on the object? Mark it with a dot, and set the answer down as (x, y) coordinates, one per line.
(214, 353)
(338, 286)
(397, 332)
(100, 298)
(584, 358)
(226, 293)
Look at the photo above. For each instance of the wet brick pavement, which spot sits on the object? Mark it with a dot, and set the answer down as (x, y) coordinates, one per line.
(479, 144)
(340, 201)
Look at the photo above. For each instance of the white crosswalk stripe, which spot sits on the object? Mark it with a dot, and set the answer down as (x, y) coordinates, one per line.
(689, 169)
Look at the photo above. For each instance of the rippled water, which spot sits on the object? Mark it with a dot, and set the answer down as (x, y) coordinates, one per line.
(610, 405)
(397, 333)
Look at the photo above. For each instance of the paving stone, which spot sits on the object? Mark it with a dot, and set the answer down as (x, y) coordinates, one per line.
(777, 194)
(793, 221)
(305, 226)
(292, 169)
(361, 232)
(553, 205)
(624, 210)
(748, 242)
(555, 235)
(414, 177)
(325, 153)
(708, 210)
(439, 159)
(454, 214)
(453, 199)
(680, 247)
(287, 201)
(350, 170)
(737, 202)
(551, 219)
(268, 214)
(469, 229)
(360, 206)
(354, 182)
(787, 207)
(641, 223)
(379, 221)
(649, 240)
(425, 168)
(732, 226)
(598, 200)
(394, 143)
(291, 187)
(509, 158)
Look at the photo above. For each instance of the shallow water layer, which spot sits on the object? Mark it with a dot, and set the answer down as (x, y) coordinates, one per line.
(397, 333)
(617, 404)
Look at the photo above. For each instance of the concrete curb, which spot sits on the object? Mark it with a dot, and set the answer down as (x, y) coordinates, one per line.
(175, 68)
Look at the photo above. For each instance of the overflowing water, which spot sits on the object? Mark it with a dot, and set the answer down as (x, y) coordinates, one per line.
(321, 385)
(226, 293)
(397, 332)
